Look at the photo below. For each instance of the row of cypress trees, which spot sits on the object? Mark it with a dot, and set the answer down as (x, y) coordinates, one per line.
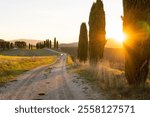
(47, 44)
(97, 39)
(136, 24)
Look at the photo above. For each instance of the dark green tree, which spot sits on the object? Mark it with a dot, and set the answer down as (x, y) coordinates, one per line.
(11, 45)
(44, 44)
(55, 43)
(29, 46)
(136, 24)
(97, 38)
(50, 44)
(83, 44)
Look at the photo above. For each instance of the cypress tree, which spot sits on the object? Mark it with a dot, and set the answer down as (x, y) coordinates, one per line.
(55, 43)
(83, 44)
(44, 44)
(136, 24)
(29, 46)
(11, 45)
(97, 39)
(50, 44)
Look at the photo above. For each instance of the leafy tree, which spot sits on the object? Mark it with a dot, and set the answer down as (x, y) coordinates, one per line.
(20, 44)
(83, 44)
(136, 24)
(97, 39)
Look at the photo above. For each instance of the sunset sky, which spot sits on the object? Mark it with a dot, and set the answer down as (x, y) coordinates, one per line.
(46, 19)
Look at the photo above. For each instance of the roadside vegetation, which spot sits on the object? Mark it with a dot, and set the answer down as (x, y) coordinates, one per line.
(70, 61)
(109, 78)
(125, 75)
(16, 62)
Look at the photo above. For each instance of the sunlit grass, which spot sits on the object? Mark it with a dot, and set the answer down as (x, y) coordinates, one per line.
(10, 67)
(69, 60)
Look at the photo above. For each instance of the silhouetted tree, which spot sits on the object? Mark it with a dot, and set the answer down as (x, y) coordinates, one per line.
(83, 44)
(50, 44)
(97, 39)
(11, 45)
(20, 44)
(29, 46)
(55, 43)
(44, 44)
(136, 24)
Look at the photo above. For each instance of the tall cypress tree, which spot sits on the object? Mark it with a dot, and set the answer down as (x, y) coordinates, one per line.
(97, 39)
(83, 44)
(55, 43)
(136, 24)
(50, 44)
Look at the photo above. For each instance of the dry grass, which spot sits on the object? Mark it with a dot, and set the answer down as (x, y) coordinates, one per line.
(112, 82)
(69, 60)
(109, 77)
(10, 67)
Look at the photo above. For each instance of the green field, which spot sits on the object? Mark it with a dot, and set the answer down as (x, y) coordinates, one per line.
(16, 62)
(26, 52)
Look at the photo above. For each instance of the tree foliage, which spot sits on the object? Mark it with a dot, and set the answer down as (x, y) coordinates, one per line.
(20, 44)
(97, 39)
(136, 24)
(55, 42)
(83, 44)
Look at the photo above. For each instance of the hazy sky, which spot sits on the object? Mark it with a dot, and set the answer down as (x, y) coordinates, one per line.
(43, 19)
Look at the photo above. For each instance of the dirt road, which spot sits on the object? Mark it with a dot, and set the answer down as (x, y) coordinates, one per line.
(48, 83)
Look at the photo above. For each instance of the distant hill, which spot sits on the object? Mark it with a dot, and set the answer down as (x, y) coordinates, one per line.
(74, 44)
(31, 41)
(111, 43)
(2, 40)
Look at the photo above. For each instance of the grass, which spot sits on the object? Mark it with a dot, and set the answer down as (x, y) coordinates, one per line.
(109, 76)
(11, 67)
(69, 60)
(72, 51)
(27, 52)
(17, 61)
(111, 82)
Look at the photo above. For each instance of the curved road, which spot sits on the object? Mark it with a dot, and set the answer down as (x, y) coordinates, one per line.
(48, 83)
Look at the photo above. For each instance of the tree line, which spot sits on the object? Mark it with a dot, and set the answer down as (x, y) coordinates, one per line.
(4, 45)
(48, 44)
(136, 24)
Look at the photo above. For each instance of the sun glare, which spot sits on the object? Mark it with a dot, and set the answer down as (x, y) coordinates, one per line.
(119, 37)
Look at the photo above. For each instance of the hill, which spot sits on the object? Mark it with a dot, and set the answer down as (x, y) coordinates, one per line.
(111, 43)
(1, 40)
(31, 41)
(74, 44)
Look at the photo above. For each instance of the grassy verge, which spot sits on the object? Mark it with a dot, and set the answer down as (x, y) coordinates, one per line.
(12, 66)
(69, 61)
(112, 82)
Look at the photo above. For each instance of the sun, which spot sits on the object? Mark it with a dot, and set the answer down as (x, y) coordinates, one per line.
(119, 37)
